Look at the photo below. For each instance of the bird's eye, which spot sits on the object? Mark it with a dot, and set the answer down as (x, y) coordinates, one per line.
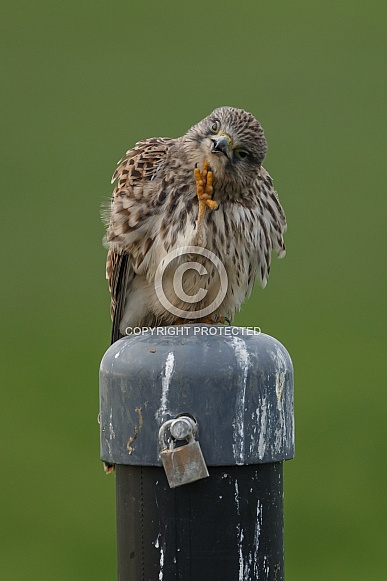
(241, 153)
(215, 126)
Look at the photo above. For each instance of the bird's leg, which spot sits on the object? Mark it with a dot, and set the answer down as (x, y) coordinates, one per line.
(204, 191)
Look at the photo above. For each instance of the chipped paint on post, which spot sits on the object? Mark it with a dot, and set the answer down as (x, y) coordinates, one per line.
(257, 533)
(243, 361)
(240, 534)
(162, 553)
(120, 351)
(262, 424)
(112, 434)
(279, 386)
(249, 562)
(165, 383)
(281, 435)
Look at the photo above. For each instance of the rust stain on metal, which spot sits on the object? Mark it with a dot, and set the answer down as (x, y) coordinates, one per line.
(137, 429)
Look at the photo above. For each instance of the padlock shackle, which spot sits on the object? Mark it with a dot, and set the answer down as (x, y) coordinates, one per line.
(166, 427)
(162, 432)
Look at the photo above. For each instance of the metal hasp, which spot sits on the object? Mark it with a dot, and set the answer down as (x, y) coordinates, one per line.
(237, 386)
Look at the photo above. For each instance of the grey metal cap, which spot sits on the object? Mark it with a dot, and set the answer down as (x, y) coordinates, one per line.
(237, 384)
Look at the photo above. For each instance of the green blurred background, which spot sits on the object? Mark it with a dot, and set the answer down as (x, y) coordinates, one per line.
(82, 81)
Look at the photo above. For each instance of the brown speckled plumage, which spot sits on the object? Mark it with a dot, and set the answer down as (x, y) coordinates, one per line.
(154, 210)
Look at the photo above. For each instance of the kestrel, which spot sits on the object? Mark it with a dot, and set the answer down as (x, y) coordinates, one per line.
(206, 189)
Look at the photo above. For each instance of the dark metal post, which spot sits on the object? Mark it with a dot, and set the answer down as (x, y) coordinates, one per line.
(238, 385)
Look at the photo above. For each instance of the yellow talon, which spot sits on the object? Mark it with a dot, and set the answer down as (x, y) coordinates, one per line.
(212, 204)
(204, 189)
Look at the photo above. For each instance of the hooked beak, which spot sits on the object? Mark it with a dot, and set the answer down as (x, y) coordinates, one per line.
(221, 144)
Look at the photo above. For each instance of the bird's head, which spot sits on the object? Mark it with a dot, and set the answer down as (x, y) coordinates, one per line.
(233, 142)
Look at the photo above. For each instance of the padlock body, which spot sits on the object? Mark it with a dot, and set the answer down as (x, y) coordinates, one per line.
(184, 465)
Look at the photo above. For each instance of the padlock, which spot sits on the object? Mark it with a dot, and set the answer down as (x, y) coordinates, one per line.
(183, 464)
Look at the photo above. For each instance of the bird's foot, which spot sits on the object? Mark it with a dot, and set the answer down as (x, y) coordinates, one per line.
(204, 189)
(213, 319)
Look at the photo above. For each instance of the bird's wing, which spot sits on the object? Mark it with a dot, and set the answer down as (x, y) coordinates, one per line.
(117, 274)
(272, 222)
(131, 205)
